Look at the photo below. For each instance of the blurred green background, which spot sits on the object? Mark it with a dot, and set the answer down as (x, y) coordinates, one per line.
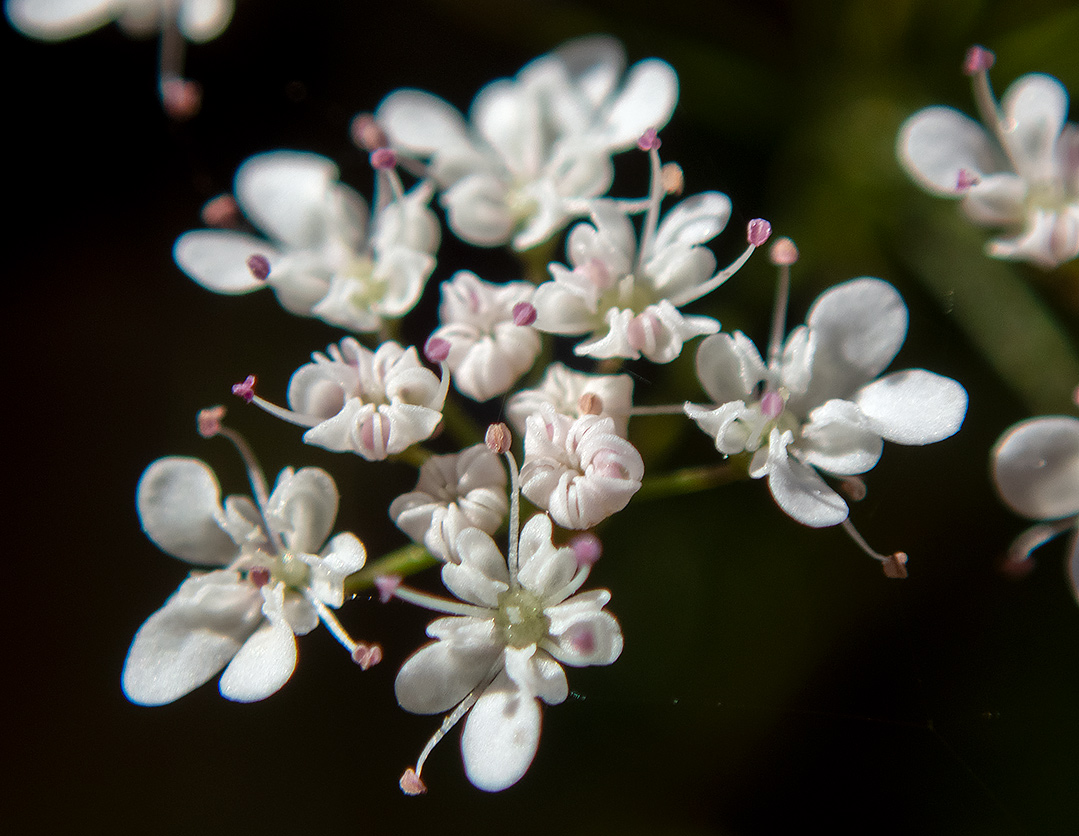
(773, 680)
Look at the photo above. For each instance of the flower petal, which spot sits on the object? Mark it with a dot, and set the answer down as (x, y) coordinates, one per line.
(263, 665)
(729, 367)
(217, 259)
(204, 20)
(536, 673)
(695, 220)
(913, 406)
(798, 490)
(179, 502)
(646, 100)
(285, 194)
(839, 439)
(57, 20)
(481, 576)
(420, 123)
(303, 508)
(936, 143)
(1036, 467)
(439, 675)
(1036, 107)
(501, 736)
(582, 636)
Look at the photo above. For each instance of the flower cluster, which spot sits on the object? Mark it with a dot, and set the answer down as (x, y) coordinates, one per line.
(535, 160)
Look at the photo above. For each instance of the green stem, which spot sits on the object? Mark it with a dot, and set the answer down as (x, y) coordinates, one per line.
(404, 561)
(691, 480)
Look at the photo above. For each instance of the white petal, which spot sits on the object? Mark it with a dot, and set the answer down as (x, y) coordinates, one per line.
(914, 406)
(179, 503)
(204, 20)
(57, 20)
(856, 329)
(798, 490)
(1036, 106)
(840, 439)
(696, 220)
(1036, 467)
(646, 100)
(543, 568)
(478, 210)
(217, 259)
(729, 367)
(263, 665)
(595, 63)
(441, 674)
(936, 143)
(481, 576)
(584, 636)
(285, 194)
(536, 673)
(192, 637)
(303, 507)
(996, 200)
(501, 736)
(419, 122)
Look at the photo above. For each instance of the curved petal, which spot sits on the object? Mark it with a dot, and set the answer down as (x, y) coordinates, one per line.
(481, 576)
(286, 193)
(536, 673)
(303, 508)
(798, 490)
(913, 406)
(646, 100)
(996, 200)
(204, 20)
(439, 675)
(695, 220)
(478, 210)
(1036, 106)
(840, 439)
(594, 63)
(936, 143)
(729, 367)
(58, 20)
(583, 636)
(217, 259)
(263, 665)
(1036, 467)
(420, 123)
(179, 503)
(501, 736)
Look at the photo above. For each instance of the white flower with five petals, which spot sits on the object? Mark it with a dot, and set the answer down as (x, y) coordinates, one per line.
(537, 144)
(271, 580)
(319, 256)
(1020, 172)
(57, 20)
(819, 405)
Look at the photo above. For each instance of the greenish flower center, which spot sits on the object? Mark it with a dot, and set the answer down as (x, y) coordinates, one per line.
(290, 570)
(520, 620)
(367, 290)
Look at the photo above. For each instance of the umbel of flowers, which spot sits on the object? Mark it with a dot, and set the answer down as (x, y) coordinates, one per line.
(535, 159)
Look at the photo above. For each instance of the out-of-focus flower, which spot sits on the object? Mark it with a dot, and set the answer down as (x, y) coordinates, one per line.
(454, 492)
(578, 470)
(1019, 172)
(488, 328)
(271, 580)
(498, 652)
(536, 145)
(575, 394)
(1036, 470)
(818, 405)
(374, 404)
(319, 256)
(58, 20)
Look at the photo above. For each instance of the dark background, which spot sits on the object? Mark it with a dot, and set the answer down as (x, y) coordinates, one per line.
(772, 681)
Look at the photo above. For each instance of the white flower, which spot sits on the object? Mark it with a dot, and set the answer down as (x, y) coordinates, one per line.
(454, 492)
(538, 144)
(819, 406)
(498, 653)
(272, 580)
(489, 351)
(1021, 172)
(57, 20)
(319, 257)
(1036, 470)
(579, 470)
(627, 298)
(566, 391)
(374, 404)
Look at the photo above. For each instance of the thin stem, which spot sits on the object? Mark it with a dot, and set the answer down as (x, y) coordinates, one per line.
(255, 476)
(690, 480)
(779, 316)
(442, 605)
(651, 218)
(327, 617)
(172, 47)
(512, 558)
(407, 560)
(989, 110)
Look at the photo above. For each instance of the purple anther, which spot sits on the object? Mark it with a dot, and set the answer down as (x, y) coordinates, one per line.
(367, 655)
(181, 98)
(259, 266)
(245, 389)
(965, 179)
(587, 548)
(978, 59)
(221, 212)
(209, 421)
(649, 140)
(259, 577)
(386, 586)
(411, 784)
(524, 313)
(783, 252)
(437, 350)
(383, 159)
(758, 231)
(771, 404)
(498, 438)
(367, 134)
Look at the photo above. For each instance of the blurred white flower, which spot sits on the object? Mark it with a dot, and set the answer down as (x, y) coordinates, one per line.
(1020, 172)
(488, 328)
(567, 391)
(58, 20)
(819, 405)
(499, 651)
(454, 492)
(538, 144)
(319, 256)
(578, 470)
(374, 404)
(1036, 470)
(272, 580)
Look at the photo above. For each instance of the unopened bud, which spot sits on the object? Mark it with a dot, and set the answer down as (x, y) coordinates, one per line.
(498, 438)
(672, 179)
(209, 421)
(978, 59)
(757, 231)
(367, 134)
(895, 565)
(783, 252)
(411, 783)
(590, 404)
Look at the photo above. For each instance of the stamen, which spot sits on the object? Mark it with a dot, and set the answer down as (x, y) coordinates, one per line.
(783, 254)
(209, 421)
(181, 98)
(894, 565)
(367, 655)
(498, 438)
(772, 404)
(221, 212)
(259, 577)
(590, 404)
(296, 418)
(673, 179)
(512, 558)
(853, 488)
(649, 142)
(411, 784)
(673, 409)
(436, 604)
(587, 548)
(245, 389)
(259, 266)
(383, 159)
(978, 60)
(367, 134)
(410, 781)
(758, 231)
(386, 586)
(326, 616)
(524, 313)
(1019, 561)
(436, 350)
